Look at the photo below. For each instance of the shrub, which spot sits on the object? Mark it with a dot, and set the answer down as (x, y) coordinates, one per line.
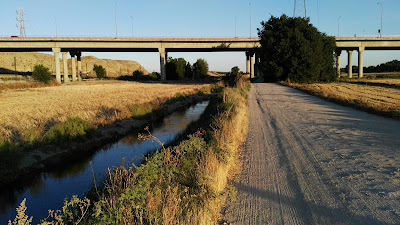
(72, 128)
(99, 70)
(41, 73)
(137, 73)
(293, 49)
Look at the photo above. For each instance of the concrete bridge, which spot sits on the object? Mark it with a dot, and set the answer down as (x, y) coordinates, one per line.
(75, 46)
(361, 44)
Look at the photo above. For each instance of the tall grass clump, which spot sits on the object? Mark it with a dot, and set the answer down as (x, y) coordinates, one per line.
(72, 128)
(183, 184)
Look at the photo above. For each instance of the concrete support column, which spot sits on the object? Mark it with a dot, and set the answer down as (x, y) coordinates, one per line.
(360, 62)
(338, 52)
(56, 52)
(350, 63)
(73, 63)
(163, 63)
(257, 64)
(79, 66)
(247, 63)
(65, 67)
(251, 65)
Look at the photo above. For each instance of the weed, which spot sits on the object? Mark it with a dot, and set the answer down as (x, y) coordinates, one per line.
(72, 128)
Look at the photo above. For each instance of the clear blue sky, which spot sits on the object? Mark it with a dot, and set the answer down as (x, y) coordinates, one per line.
(203, 18)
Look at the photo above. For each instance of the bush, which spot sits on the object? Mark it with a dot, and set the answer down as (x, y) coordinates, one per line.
(293, 49)
(42, 74)
(99, 70)
(72, 128)
(137, 73)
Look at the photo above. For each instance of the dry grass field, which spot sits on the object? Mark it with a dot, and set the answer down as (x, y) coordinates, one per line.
(371, 98)
(100, 102)
(388, 82)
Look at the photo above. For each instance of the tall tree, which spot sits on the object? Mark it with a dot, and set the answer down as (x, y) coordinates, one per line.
(292, 48)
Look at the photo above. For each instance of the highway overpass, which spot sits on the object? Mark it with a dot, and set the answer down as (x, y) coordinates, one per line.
(164, 45)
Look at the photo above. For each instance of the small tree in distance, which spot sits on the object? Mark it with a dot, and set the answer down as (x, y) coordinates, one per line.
(200, 68)
(99, 70)
(41, 73)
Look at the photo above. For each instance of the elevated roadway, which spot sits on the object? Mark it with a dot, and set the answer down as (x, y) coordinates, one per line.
(76, 45)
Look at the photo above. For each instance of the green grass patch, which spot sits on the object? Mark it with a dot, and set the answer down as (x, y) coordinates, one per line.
(73, 128)
(141, 110)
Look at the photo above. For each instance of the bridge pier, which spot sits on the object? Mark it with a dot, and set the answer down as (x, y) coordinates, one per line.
(78, 55)
(257, 64)
(360, 62)
(350, 63)
(247, 62)
(65, 67)
(73, 64)
(338, 52)
(163, 63)
(56, 52)
(252, 65)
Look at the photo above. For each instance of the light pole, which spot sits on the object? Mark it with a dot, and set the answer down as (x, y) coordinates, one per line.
(338, 26)
(250, 17)
(235, 26)
(132, 25)
(380, 31)
(115, 12)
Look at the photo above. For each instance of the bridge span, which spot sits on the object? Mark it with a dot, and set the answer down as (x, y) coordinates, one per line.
(162, 45)
(75, 46)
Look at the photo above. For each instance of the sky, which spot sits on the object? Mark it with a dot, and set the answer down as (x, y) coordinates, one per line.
(204, 18)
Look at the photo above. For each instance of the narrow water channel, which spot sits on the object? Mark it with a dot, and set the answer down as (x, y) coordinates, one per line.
(50, 188)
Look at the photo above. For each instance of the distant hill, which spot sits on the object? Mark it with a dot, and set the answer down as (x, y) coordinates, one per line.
(27, 60)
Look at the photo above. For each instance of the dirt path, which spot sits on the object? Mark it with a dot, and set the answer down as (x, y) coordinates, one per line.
(308, 161)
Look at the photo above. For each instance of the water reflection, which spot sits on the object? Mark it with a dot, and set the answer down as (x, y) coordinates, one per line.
(48, 190)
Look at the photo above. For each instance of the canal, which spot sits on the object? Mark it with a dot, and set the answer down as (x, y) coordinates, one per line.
(49, 190)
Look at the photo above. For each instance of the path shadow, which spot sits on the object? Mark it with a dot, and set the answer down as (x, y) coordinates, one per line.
(340, 216)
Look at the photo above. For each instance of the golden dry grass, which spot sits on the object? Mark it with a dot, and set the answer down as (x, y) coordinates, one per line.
(375, 99)
(391, 82)
(99, 102)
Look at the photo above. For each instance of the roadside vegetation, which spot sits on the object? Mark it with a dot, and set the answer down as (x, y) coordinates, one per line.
(182, 184)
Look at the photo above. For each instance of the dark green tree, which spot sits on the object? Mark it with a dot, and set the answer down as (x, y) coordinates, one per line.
(137, 74)
(235, 71)
(188, 70)
(293, 49)
(176, 68)
(41, 73)
(99, 70)
(200, 68)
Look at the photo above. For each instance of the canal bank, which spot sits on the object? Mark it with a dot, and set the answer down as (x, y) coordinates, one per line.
(46, 157)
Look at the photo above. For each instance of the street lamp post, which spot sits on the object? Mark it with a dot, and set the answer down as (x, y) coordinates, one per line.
(235, 26)
(380, 31)
(338, 26)
(115, 12)
(250, 17)
(132, 25)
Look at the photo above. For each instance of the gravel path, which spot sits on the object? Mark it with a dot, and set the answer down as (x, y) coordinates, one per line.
(308, 161)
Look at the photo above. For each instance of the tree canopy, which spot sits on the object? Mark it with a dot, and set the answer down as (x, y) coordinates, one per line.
(293, 49)
(200, 68)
